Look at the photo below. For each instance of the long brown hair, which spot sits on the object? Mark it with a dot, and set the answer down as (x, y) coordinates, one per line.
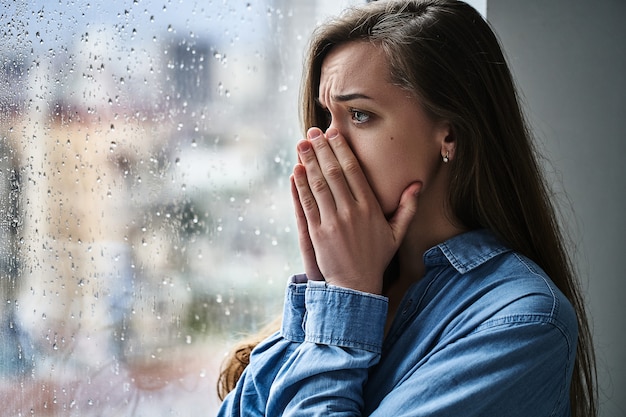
(446, 54)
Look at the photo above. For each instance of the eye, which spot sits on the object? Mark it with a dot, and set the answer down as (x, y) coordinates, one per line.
(359, 117)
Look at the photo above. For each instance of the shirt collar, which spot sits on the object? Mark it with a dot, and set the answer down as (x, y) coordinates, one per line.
(466, 251)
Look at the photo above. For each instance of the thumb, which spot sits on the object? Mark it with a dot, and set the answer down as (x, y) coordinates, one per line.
(401, 219)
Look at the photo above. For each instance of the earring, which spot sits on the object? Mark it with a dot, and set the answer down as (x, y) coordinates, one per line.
(446, 158)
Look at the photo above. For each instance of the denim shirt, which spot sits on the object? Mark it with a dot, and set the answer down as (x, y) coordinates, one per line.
(483, 333)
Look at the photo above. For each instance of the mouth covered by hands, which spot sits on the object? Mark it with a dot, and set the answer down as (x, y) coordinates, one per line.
(344, 236)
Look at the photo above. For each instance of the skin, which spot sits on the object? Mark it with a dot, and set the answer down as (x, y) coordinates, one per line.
(356, 187)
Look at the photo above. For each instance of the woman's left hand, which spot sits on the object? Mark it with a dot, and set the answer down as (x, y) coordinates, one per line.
(352, 240)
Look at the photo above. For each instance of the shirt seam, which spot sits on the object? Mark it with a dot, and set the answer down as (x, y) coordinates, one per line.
(339, 290)
(342, 343)
(532, 270)
(535, 319)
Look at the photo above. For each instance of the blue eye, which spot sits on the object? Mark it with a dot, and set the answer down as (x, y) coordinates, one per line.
(359, 116)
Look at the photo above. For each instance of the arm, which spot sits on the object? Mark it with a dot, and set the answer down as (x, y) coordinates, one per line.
(250, 396)
(320, 363)
(326, 374)
(517, 365)
(516, 368)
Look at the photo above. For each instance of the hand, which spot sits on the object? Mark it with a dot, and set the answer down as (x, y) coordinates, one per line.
(343, 232)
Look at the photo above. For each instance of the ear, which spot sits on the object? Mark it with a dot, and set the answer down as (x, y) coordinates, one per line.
(447, 141)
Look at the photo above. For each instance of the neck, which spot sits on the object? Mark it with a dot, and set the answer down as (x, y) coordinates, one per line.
(433, 224)
(426, 231)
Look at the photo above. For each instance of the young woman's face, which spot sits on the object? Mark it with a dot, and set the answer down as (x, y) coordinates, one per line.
(388, 130)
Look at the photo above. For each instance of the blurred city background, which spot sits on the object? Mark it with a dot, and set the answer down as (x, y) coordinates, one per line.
(145, 214)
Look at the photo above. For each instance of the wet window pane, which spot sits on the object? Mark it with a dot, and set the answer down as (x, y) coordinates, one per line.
(145, 216)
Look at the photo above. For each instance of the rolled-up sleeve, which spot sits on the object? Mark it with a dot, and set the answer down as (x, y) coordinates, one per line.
(343, 335)
(250, 396)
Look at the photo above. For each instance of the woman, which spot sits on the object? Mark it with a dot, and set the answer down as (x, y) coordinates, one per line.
(436, 278)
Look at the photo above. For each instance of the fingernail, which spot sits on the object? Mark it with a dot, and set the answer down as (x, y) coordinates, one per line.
(418, 190)
(332, 133)
(304, 146)
(314, 133)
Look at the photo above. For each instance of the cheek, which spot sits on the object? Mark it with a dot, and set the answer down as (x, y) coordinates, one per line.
(388, 187)
(388, 174)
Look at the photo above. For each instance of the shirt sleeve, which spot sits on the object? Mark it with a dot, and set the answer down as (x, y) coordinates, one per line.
(326, 373)
(331, 338)
(250, 396)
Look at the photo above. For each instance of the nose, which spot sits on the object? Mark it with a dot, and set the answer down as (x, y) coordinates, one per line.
(334, 124)
(345, 133)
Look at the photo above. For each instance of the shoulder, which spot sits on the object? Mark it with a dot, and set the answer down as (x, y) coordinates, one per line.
(482, 310)
(494, 285)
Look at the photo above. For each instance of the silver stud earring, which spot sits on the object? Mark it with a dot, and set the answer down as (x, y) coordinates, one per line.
(446, 158)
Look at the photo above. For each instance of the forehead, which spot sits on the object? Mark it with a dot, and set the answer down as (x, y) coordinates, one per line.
(354, 66)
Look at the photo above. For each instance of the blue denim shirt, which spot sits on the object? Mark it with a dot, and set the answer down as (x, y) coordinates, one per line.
(483, 333)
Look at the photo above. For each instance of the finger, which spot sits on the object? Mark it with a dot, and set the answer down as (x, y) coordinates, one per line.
(304, 239)
(318, 187)
(300, 217)
(330, 167)
(406, 211)
(352, 172)
(306, 199)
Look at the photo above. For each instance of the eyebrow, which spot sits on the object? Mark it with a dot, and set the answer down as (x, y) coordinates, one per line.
(344, 97)
(348, 97)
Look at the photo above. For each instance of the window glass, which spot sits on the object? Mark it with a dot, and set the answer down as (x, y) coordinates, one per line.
(145, 215)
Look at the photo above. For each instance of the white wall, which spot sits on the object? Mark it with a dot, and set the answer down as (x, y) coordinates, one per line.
(480, 5)
(569, 58)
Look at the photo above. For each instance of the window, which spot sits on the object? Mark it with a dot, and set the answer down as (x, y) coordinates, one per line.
(145, 216)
